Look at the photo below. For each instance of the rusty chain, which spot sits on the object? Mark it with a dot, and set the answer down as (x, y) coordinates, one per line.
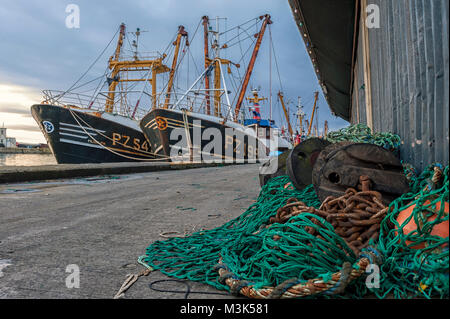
(355, 216)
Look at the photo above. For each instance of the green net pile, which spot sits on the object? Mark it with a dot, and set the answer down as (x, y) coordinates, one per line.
(268, 256)
(361, 133)
(416, 263)
(195, 256)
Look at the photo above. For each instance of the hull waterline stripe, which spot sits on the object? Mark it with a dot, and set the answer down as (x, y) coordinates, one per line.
(150, 123)
(73, 135)
(75, 131)
(182, 123)
(79, 126)
(79, 143)
(97, 146)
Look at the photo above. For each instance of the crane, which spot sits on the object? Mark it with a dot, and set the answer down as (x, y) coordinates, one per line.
(286, 113)
(249, 71)
(181, 33)
(316, 95)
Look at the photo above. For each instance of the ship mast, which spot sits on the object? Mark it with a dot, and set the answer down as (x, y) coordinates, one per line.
(316, 95)
(217, 73)
(218, 76)
(251, 64)
(116, 66)
(206, 48)
(181, 33)
(286, 113)
(300, 115)
(114, 79)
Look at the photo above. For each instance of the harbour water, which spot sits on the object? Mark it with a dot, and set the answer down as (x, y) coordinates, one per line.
(26, 159)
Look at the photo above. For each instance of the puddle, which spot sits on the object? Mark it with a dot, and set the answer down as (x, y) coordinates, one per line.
(20, 188)
(87, 180)
(186, 208)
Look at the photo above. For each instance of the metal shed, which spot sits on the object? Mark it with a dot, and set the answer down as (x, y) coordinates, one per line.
(384, 63)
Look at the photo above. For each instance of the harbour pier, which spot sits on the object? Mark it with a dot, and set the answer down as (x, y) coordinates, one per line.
(100, 224)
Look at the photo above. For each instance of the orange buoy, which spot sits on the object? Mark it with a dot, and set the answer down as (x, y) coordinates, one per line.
(441, 229)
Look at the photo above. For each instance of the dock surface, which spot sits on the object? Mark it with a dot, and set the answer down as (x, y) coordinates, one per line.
(103, 224)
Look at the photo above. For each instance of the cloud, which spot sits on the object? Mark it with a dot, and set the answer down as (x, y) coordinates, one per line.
(24, 127)
(41, 53)
(15, 109)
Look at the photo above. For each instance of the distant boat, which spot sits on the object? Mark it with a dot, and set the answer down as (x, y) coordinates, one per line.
(104, 126)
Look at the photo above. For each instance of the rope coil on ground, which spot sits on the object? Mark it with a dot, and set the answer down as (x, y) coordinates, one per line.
(296, 287)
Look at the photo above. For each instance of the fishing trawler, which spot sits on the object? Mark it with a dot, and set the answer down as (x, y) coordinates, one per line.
(104, 126)
(190, 129)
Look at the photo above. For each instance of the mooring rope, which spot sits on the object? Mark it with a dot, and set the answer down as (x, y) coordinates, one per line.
(107, 137)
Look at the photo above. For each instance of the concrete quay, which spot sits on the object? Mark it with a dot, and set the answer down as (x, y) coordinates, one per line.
(15, 174)
(103, 224)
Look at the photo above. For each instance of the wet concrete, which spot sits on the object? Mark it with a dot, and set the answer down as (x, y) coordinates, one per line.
(102, 225)
(16, 174)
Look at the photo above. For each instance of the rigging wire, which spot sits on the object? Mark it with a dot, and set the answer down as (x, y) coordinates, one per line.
(178, 66)
(90, 67)
(237, 36)
(242, 80)
(275, 58)
(238, 26)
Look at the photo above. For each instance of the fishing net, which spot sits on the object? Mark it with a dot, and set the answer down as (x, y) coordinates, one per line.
(417, 262)
(361, 133)
(268, 256)
(195, 256)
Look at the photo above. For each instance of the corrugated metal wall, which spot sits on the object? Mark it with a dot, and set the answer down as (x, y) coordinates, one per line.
(409, 66)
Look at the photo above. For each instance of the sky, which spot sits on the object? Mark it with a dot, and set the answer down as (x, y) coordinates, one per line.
(39, 52)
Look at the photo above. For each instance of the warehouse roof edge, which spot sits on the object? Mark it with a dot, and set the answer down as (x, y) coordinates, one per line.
(328, 30)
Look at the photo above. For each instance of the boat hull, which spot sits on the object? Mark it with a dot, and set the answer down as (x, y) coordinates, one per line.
(77, 137)
(228, 145)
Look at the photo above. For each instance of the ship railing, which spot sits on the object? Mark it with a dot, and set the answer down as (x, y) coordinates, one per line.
(86, 101)
(135, 108)
(63, 98)
(196, 101)
(142, 55)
